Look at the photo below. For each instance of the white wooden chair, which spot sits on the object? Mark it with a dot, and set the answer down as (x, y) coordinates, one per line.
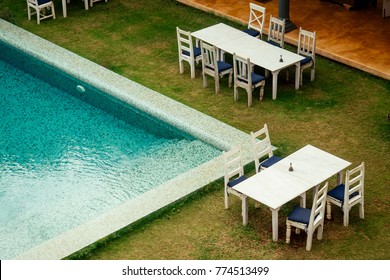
(213, 67)
(42, 8)
(187, 51)
(93, 1)
(262, 149)
(276, 31)
(256, 20)
(348, 194)
(309, 219)
(245, 78)
(307, 48)
(234, 174)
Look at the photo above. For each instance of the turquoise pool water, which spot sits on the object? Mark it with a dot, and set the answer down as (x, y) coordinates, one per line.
(68, 156)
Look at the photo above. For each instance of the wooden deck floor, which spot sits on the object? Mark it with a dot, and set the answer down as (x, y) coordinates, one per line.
(360, 39)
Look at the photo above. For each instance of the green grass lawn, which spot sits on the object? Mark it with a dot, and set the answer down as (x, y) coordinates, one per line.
(343, 112)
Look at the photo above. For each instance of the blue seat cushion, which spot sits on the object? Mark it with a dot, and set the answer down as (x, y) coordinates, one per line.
(222, 66)
(256, 78)
(270, 161)
(197, 52)
(338, 193)
(40, 2)
(236, 181)
(251, 32)
(306, 60)
(274, 43)
(300, 215)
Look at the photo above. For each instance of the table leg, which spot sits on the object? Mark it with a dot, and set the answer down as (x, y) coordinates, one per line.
(303, 200)
(339, 177)
(244, 210)
(274, 84)
(297, 75)
(86, 2)
(275, 225)
(64, 8)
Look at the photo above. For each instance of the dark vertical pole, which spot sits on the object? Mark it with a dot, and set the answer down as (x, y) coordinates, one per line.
(284, 13)
(284, 9)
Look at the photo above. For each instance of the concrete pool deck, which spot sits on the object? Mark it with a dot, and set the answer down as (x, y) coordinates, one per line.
(201, 126)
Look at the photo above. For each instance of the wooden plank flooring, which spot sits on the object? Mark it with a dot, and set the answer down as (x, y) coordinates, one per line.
(360, 38)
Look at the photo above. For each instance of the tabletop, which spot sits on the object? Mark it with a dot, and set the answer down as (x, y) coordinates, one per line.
(218, 33)
(236, 41)
(276, 185)
(261, 53)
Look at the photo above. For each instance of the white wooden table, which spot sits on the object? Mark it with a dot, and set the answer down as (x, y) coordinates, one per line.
(218, 33)
(260, 53)
(64, 11)
(276, 185)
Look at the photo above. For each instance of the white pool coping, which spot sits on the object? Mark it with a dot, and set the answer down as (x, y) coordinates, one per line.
(201, 126)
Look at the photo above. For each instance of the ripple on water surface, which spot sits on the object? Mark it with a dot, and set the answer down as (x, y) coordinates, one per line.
(64, 162)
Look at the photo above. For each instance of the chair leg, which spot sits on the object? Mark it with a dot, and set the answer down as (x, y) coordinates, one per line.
(226, 199)
(301, 79)
(312, 74)
(288, 233)
(328, 210)
(204, 80)
(346, 217)
(192, 70)
(261, 93)
(230, 79)
(249, 92)
(53, 11)
(309, 241)
(216, 80)
(361, 210)
(320, 231)
(38, 16)
(181, 66)
(235, 93)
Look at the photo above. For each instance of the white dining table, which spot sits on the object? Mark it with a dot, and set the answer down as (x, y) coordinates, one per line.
(64, 3)
(218, 33)
(263, 54)
(277, 185)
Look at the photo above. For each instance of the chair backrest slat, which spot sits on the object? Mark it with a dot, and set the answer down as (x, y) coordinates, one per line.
(306, 43)
(276, 31)
(318, 208)
(242, 70)
(184, 41)
(354, 183)
(261, 145)
(209, 56)
(233, 164)
(256, 17)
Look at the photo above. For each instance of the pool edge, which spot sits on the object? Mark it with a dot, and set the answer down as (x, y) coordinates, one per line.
(179, 115)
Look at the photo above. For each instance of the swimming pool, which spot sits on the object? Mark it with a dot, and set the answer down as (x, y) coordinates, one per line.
(64, 162)
(184, 125)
